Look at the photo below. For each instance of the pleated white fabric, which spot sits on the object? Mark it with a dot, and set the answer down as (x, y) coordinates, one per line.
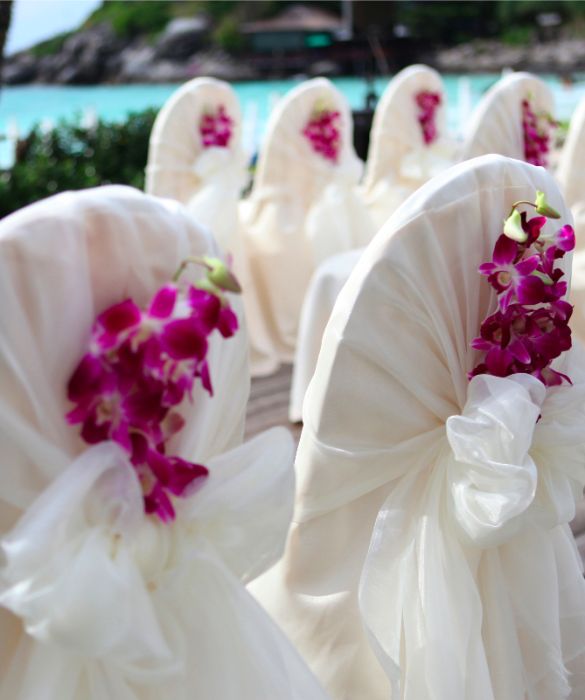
(208, 181)
(98, 600)
(399, 161)
(496, 123)
(319, 301)
(430, 555)
(302, 209)
(570, 176)
(570, 169)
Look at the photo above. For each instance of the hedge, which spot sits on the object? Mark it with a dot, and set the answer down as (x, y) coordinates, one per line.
(72, 158)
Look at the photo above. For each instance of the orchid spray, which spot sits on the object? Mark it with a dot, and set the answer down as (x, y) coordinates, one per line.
(428, 103)
(323, 132)
(530, 327)
(536, 130)
(216, 128)
(139, 367)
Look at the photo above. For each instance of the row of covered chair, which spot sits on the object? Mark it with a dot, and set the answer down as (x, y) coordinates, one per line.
(306, 205)
(429, 555)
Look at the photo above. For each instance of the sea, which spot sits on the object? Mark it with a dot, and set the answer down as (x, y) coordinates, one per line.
(26, 106)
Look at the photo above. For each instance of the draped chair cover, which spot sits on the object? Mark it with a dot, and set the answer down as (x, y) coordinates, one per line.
(496, 123)
(430, 554)
(399, 161)
(98, 600)
(570, 176)
(325, 285)
(303, 208)
(207, 180)
(570, 169)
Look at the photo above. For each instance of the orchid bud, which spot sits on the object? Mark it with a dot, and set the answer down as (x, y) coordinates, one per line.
(513, 227)
(219, 274)
(565, 238)
(544, 208)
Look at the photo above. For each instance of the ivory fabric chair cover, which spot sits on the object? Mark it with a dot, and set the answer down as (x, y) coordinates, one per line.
(570, 170)
(399, 161)
(570, 176)
(319, 301)
(98, 600)
(303, 208)
(430, 553)
(496, 123)
(207, 180)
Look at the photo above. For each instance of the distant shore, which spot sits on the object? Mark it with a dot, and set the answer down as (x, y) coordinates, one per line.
(96, 56)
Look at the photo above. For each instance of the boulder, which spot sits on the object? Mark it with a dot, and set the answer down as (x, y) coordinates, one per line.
(19, 69)
(182, 38)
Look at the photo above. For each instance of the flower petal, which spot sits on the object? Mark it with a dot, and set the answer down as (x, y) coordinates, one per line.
(163, 302)
(184, 339)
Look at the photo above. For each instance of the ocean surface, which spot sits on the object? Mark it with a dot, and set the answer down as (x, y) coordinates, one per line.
(22, 107)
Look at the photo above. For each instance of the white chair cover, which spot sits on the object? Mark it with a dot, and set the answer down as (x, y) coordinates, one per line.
(319, 301)
(430, 552)
(570, 170)
(496, 123)
(570, 176)
(98, 600)
(399, 161)
(208, 181)
(302, 209)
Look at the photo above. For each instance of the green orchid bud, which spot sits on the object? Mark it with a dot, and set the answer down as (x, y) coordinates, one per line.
(544, 208)
(219, 274)
(513, 227)
(207, 286)
(545, 278)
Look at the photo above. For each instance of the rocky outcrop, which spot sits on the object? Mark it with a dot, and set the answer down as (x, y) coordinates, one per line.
(96, 55)
(562, 56)
(183, 50)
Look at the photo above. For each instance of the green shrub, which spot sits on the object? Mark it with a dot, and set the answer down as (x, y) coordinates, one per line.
(228, 35)
(129, 19)
(517, 36)
(72, 158)
(51, 46)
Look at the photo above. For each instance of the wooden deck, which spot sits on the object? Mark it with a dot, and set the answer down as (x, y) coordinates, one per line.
(268, 406)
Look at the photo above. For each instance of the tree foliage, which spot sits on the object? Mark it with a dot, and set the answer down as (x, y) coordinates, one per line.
(72, 158)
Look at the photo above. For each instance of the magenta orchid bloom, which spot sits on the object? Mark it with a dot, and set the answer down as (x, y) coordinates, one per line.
(513, 280)
(537, 134)
(323, 133)
(428, 102)
(530, 328)
(216, 128)
(140, 367)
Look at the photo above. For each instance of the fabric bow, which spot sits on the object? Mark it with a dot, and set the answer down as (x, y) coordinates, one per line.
(91, 575)
(338, 221)
(507, 470)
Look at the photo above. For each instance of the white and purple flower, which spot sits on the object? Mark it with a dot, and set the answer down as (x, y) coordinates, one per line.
(531, 326)
(324, 134)
(428, 103)
(140, 366)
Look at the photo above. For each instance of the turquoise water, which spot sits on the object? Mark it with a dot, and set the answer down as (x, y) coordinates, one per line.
(21, 107)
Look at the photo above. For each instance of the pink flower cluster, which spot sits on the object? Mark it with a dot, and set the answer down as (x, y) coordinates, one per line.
(216, 128)
(428, 102)
(530, 327)
(140, 366)
(537, 134)
(323, 133)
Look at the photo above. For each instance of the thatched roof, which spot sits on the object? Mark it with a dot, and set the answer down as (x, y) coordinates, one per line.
(297, 18)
